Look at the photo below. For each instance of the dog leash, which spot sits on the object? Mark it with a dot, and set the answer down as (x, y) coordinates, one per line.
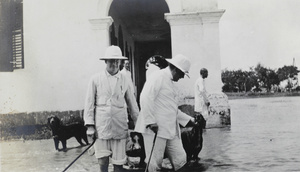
(80, 155)
(146, 170)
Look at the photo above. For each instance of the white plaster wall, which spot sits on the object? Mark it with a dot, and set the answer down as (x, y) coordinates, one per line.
(186, 40)
(197, 38)
(199, 5)
(196, 35)
(174, 6)
(177, 6)
(211, 53)
(61, 53)
(62, 49)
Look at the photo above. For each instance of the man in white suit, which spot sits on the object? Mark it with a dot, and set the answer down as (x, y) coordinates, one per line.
(160, 114)
(105, 113)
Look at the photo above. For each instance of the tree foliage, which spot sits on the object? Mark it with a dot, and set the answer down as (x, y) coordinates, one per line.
(256, 79)
(287, 72)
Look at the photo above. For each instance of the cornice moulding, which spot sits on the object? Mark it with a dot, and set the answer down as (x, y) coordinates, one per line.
(194, 18)
(100, 23)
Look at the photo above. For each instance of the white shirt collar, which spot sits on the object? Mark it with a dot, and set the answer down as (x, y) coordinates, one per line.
(117, 75)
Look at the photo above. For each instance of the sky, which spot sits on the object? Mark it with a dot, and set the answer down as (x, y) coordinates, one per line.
(259, 31)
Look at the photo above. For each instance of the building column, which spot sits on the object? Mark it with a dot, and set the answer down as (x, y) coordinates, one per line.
(196, 35)
(100, 27)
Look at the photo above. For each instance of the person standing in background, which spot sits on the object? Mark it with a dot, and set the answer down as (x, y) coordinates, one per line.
(201, 95)
(126, 71)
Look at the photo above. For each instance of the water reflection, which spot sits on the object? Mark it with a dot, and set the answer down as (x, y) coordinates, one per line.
(264, 136)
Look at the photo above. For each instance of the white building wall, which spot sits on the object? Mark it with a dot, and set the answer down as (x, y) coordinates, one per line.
(196, 35)
(63, 41)
(199, 6)
(179, 6)
(61, 53)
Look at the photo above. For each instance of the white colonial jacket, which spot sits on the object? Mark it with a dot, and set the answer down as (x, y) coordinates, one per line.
(106, 109)
(159, 104)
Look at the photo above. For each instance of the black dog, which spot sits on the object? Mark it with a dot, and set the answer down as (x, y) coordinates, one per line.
(63, 133)
(136, 149)
(192, 138)
(192, 141)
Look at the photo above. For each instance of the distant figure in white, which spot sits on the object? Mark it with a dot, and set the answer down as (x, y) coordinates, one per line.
(127, 73)
(201, 95)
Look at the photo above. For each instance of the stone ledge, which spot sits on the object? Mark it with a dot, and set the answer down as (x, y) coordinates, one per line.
(33, 126)
(219, 113)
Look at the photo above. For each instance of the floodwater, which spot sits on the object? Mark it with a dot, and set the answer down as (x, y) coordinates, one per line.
(264, 136)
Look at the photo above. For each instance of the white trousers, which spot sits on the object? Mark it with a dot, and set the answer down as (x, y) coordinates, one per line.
(173, 148)
(111, 148)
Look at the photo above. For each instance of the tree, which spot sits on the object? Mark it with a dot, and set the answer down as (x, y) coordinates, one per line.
(235, 81)
(245, 80)
(266, 76)
(258, 77)
(287, 72)
(273, 79)
(229, 81)
(251, 80)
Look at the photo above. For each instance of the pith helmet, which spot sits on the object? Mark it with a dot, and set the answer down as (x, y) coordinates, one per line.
(181, 62)
(113, 52)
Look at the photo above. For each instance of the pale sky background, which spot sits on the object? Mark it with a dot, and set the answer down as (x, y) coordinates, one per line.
(265, 31)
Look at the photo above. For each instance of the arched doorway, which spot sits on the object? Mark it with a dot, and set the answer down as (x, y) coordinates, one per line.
(144, 31)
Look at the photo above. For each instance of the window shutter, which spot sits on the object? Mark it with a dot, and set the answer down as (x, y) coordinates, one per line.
(17, 36)
(11, 35)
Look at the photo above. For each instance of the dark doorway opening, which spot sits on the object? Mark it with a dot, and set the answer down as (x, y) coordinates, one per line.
(145, 33)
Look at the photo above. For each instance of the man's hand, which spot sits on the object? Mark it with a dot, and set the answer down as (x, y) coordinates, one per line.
(153, 127)
(91, 131)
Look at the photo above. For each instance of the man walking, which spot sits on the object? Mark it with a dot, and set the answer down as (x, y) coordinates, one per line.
(105, 112)
(160, 114)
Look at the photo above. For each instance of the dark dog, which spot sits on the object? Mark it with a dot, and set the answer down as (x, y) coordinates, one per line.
(64, 132)
(192, 138)
(136, 149)
(192, 141)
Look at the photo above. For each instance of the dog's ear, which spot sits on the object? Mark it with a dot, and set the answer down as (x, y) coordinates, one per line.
(195, 115)
(198, 118)
(49, 118)
(133, 133)
(56, 118)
